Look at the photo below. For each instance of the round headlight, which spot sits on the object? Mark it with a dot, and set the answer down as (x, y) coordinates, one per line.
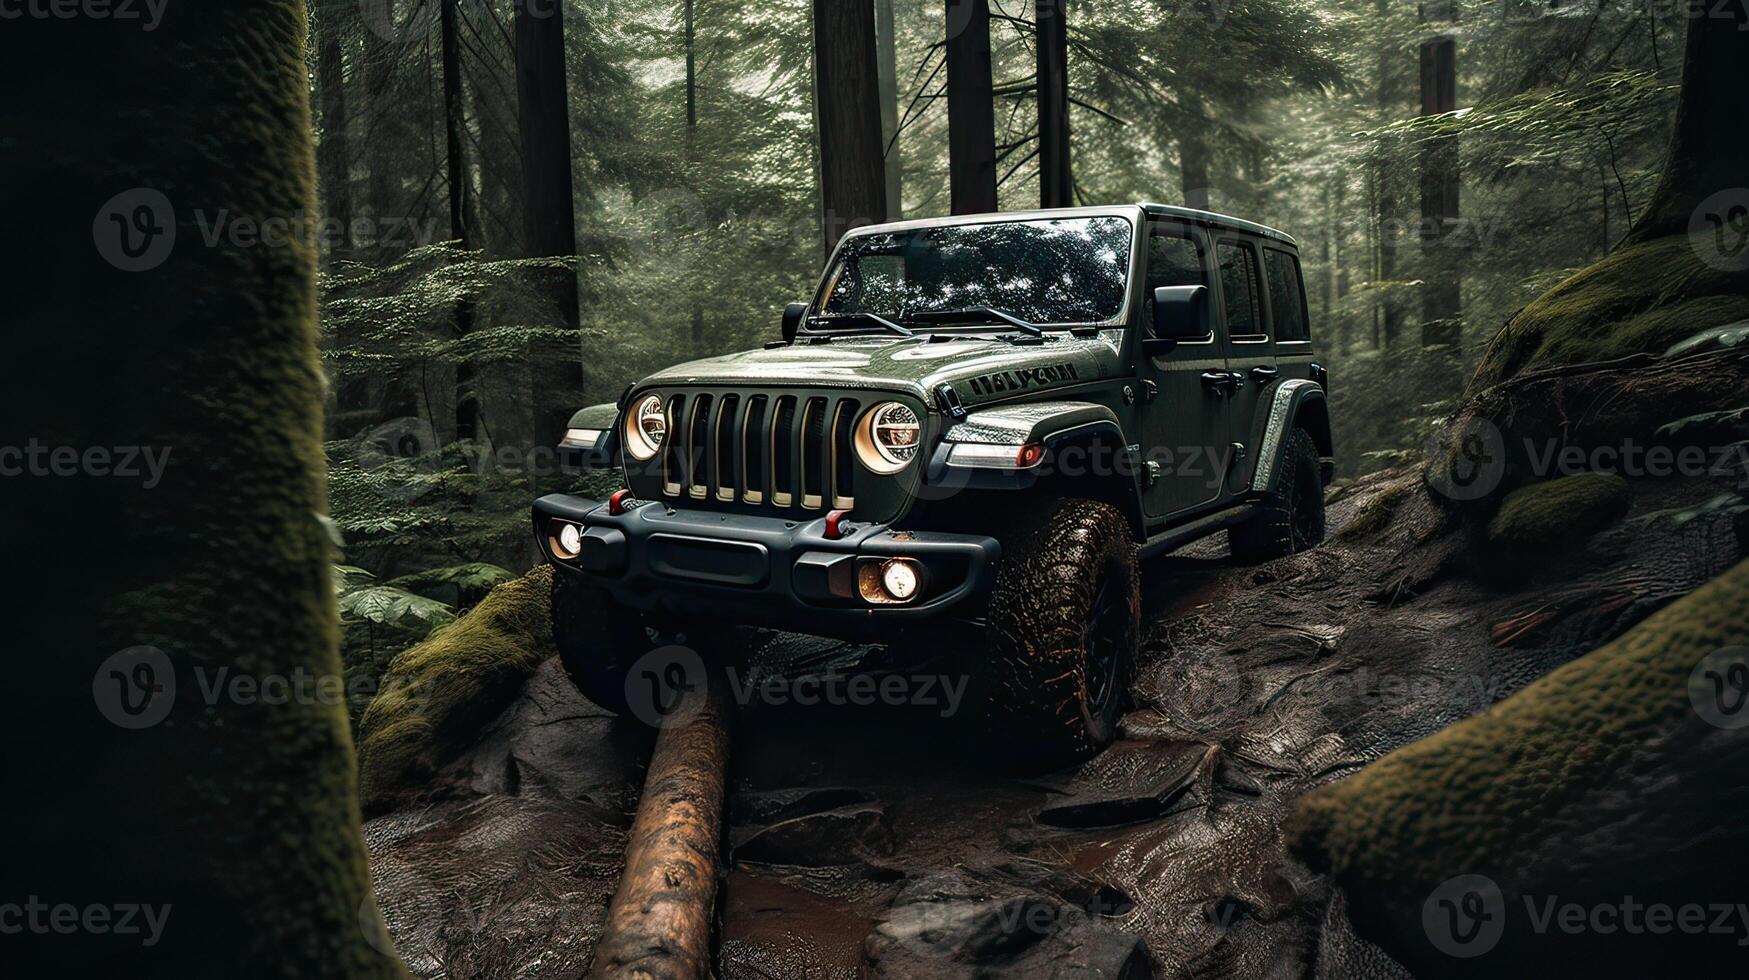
(646, 426)
(888, 437)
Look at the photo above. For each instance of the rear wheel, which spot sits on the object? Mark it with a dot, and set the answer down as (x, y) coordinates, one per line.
(1292, 518)
(1064, 622)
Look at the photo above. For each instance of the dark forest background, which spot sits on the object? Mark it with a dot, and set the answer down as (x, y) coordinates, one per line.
(529, 205)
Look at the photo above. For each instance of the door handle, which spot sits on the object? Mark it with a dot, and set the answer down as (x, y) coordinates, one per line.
(1220, 381)
(1260, 374)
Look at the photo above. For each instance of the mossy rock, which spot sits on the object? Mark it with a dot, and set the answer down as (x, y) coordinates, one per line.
(1616, 775)
(1375, 515)
(1640, 299)
(437, 695)
(1549, 517)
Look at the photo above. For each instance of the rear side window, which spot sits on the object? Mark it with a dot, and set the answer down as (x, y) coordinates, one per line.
(1287, 301)
(1241, 291)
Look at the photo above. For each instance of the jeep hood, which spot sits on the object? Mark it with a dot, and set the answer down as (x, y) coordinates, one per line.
(979, 368)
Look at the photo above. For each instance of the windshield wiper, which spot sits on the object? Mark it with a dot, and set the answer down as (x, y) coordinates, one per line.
(974, 314)
(874, 318)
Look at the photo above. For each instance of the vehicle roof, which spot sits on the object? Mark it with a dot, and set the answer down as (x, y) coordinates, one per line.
(1210, 218)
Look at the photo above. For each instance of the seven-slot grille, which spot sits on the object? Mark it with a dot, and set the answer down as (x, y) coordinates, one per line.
(771, 449)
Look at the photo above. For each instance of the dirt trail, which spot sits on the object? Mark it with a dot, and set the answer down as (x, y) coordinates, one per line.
(874, 841)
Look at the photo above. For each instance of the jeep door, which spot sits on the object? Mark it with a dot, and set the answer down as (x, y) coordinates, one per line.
(1251, 358)
(1184, 419)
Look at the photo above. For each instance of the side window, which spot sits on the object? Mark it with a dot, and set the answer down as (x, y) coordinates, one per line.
(1241, 291)
(1175, 258)
(1287, 300)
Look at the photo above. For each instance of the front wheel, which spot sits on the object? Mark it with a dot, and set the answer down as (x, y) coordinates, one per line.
(1064, 622)
(1291, 519)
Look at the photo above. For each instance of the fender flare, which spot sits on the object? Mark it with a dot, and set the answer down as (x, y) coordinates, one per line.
(1058, 426)
(1295, 403)
(604, 417)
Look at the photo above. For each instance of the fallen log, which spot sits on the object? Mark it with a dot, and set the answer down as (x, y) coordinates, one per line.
(659, 923)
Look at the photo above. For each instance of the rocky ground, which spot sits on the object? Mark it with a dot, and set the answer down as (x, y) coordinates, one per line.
(877, 841)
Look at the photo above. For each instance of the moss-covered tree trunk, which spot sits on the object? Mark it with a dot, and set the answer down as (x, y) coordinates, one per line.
(180, 774)
(1709, 144)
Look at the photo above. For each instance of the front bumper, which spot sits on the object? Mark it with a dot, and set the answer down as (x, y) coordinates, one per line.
(765, 571)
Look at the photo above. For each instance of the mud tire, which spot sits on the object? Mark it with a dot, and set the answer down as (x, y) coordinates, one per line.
(1064, 622)
(1291, 520)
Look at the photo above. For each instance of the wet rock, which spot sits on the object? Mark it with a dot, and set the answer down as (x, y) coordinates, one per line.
(832, 837)
(784, 804)
(552, 743)
(943, 928)
(1159, 796)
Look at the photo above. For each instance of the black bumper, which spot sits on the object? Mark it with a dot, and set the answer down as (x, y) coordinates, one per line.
(765, 571)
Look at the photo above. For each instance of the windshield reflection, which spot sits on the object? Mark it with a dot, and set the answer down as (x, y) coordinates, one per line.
(1062, 271)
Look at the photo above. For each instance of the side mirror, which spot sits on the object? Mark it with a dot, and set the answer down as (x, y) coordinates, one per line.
(792, 321)
(1180, 313)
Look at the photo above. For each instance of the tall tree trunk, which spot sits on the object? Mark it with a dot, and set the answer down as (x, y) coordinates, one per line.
(549, 205)
(379, 75)
(853, 183)
(692, 145)
(1442, 296)
(971, 108)
(1709, 144)
(1390, 315)
(232, 818)
(333, 159)
(1056, 183)
(467, 398)
(887, 63)
(1193, 155)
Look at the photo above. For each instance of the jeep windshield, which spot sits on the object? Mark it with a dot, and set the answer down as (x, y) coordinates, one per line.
(1052, 272)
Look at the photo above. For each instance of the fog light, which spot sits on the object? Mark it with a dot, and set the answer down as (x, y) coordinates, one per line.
(567, 540)
(892, 582)
(899, 579)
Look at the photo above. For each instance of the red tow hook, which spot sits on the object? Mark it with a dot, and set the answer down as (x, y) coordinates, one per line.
(835, 524)
(616, 504)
